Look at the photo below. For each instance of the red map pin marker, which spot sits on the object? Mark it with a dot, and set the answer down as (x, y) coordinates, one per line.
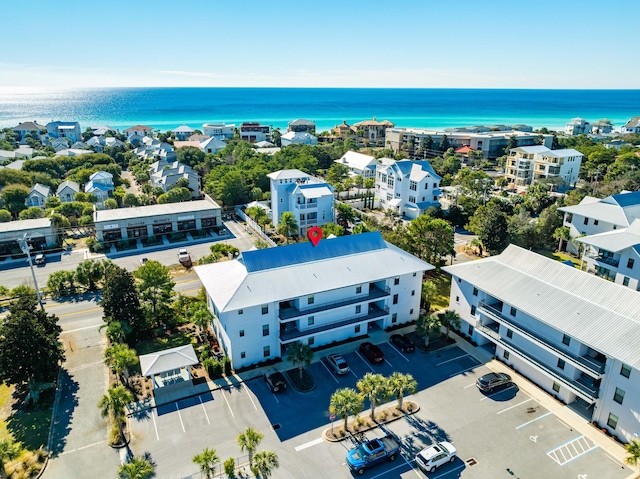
(315, 235)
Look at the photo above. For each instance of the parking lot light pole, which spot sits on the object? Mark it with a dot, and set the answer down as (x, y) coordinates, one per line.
(27, 250)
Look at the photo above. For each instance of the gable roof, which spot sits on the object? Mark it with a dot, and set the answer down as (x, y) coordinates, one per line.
(620, 209)
(138, 128)
(301, 121)
(601, 314)
(212, 143)
(68, 184)
(616, 240)
(42, 190)
(356, 160)
(184, 129)
(288, 174)
(168, 360)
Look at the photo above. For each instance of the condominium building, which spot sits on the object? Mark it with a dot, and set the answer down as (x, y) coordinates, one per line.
(594, 215)
(408, 187)
(527, 164)
(307, 197)
(574, 335)
(253, 132)
(220, 131)
(271, 298)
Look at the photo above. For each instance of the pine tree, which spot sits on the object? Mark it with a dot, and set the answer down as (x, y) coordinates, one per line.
(120, 300)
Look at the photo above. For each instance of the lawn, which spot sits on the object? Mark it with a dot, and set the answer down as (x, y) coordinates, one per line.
(443, 285)
(164, 342)
(560, 257)
(30, 427)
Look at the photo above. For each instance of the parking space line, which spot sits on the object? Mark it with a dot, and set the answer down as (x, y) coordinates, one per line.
(489, 396)
(470, 385)
(453, 359)
(330, 373)
(225, 400)
(398, 351)
(385, 360)
(250, 398)
(516, 405)
(533, 420)
(448, 472)
(366, 362)
(464, 370)
(180, 416)
(205, 411)
(309, 444)
(155, 426)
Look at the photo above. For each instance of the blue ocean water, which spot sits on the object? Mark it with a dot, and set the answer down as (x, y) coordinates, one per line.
(167, 108)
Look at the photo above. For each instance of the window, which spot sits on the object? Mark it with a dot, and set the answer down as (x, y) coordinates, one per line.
(357, 329)
(612, 422)
(243, 355)
(394, 317)
(625, 371)
(414, 275)
(311, 341)
(513, 311)
(395, 299)
(566, 340)
(310, 321)
(359, 289)
(265, 309)
(265, 330)
(625, 281)
(458, 299)
(595, 222)
(266, 351)
(435, 198)
(475, 291)
(389, 197)
(473, 310)
(556, 387)
(310, 299)
(396, 280)
(459, 280)
(412, 199)
(358, 308)
(630, 263)
(413, 292)
(470, 330)
(413, 186)
(505, 354)
(390, 182)
(586, 221)
(509, 334)
(411, 311)
(561, 363)
(618, 396)
(240, 311)
(242, 333)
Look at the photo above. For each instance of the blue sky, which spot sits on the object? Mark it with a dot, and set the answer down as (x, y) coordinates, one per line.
(346, 43)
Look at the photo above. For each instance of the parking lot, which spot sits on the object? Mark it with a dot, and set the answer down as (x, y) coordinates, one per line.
(503, 434)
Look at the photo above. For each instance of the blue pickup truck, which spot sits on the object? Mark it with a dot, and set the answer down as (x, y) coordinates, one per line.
(372, 452)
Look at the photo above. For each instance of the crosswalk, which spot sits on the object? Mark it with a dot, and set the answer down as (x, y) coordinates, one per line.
(571, 450)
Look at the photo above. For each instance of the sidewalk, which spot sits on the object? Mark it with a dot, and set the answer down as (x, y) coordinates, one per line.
(561, 411)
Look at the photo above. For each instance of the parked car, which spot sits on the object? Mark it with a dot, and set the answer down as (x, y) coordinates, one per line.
(372, 352)
(338, 364)
(403, 343)
(184, 258)
(431, 458)
(489, 382)
(40, 259)
(275, 381)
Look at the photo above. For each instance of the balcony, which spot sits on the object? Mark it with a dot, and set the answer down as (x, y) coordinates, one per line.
(304, 206)
(592, 365)
(374, 293)
(604, 259)
(290, 332)
(584, 387)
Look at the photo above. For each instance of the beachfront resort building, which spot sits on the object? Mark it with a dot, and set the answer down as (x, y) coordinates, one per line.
(527, 164)
(253, 132)
(408, 188)
(342, 288)
(309, 199)
(372, 130)
(573, 334)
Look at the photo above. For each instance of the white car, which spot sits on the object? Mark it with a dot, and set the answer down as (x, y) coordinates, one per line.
(431, 458)
(338, 364)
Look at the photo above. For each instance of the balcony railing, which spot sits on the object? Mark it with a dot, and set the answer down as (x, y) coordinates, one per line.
(303, 206)
(582, 388)
(582, 362)
(604, 259)
(289, 333)
(374, 293)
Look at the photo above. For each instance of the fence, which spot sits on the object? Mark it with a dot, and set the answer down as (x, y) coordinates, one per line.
(241, 470)
(255, 227)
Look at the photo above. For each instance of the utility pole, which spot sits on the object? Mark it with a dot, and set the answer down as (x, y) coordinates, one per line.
(24, 245)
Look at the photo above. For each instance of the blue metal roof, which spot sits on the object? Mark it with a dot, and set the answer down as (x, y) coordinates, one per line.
(627, 199)
(283, 256)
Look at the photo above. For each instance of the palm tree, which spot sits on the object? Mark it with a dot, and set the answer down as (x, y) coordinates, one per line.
(399, 384)
(429, 292)
(346, 402)
(425, 325)
(265, 463)
(562, 234)
(345, 213)
(449, 319)
(120, 358)
(138, 467)
(300, 355)
(633, 452)
(113, 404)
(207, 461)
(248, 440)
(288, 226)
(201, 316)
(8, 450)
(89, 272)
(374, 388)
(477, 244)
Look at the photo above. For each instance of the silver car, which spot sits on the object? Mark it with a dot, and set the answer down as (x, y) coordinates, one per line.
(338, 364)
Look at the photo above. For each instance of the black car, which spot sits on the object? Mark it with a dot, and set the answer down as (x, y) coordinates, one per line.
(275, 381)
(489, 382)
(403, 343)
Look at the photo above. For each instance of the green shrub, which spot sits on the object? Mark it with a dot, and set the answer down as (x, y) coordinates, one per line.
(214, 368)
(230, 468)
(226, 363)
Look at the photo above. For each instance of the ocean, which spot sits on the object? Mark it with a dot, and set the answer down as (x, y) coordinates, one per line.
(167, 108)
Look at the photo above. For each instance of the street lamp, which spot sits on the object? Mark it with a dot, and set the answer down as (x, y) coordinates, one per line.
(26, 249)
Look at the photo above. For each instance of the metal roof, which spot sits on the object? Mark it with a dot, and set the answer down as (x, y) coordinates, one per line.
(604, 211)
(287, 174)
(154, 210)
(285, 272)
(601, 314)
(23, 225)
(167, 360)
(616, 240)
(357, 160)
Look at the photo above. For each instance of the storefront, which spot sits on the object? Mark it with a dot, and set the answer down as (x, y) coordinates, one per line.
(39, 234)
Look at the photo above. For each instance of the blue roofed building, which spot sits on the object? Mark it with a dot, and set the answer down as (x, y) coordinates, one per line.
(307, 197)
(101, 185)
(268, 299)
(408, 188)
